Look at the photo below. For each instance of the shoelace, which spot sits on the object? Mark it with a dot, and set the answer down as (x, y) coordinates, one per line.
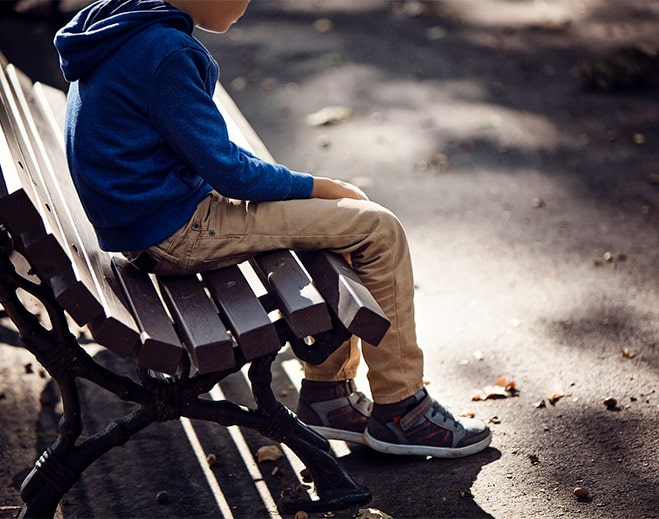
(446, 414)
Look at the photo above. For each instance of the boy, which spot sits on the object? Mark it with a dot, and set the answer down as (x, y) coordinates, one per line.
(161, 182)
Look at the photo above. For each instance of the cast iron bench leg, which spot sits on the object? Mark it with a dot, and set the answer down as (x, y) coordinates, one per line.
(53, 475)
(335, 487)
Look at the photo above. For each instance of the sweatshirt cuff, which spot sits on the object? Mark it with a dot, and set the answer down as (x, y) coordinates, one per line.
(301, 185)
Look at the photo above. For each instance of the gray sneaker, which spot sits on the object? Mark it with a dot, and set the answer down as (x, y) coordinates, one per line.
(341, 418)
(425, 429)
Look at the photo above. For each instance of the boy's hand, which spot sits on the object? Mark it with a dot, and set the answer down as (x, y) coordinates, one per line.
(333, 189)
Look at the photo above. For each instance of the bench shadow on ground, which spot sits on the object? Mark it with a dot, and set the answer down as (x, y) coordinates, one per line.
(122, 482)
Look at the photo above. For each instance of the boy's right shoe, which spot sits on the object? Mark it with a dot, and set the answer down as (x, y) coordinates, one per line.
(421, 426)
(334, 409)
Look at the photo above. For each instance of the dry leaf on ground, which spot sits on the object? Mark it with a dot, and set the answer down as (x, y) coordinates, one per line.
(555, 397)
(329, 115)
(371, 513)
(268, 453)
(502, 388)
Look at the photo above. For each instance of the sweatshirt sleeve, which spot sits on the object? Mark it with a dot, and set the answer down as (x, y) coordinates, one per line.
(181, 108)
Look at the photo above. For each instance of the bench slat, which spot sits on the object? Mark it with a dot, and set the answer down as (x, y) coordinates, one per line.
(70, 293)
(346, 295)
(92, 268)
(242, 311)
(21, 146)
(198, 323)
(26, 226)
(297, 298)
(55, 100)
(161, 348)
(46, 257)
(18, 147)
(22, 219)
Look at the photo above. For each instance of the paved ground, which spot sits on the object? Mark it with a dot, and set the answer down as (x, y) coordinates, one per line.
(532, 207)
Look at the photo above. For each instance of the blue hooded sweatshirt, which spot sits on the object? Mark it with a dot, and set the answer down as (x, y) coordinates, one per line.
(145, 141)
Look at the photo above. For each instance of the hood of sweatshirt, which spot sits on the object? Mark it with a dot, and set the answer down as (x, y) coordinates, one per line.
(102, 27)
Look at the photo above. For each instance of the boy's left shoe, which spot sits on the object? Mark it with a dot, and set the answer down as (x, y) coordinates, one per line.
(342, 416)
(421, 426)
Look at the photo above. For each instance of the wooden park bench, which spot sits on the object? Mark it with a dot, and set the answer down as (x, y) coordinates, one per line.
(185, 334)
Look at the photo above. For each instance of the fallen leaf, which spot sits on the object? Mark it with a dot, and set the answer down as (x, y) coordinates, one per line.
(468, 414)
(268, 453)
(555, 397)
(491, 392)
(372, 513)
(502, 388)
(306, 475)
(540, 405)
(639, 139)
(535, 460)
(329, 115)
(323, 25)
(627, 353)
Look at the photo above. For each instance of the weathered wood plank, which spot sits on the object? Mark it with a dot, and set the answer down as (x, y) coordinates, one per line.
(198, 323)
(161, 348)
(242, 312)
(346, 295)
(297, 298)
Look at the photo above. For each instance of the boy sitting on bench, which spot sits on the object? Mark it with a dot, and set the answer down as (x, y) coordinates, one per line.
(161, 182)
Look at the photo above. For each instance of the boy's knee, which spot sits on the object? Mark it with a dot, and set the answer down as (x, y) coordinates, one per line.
(385, 222)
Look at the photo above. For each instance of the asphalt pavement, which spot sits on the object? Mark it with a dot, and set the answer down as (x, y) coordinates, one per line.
(517, 142)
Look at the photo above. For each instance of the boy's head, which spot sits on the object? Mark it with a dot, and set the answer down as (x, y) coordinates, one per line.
(212, 15)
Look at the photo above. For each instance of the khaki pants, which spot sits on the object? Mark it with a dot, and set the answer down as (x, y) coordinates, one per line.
(224, 232)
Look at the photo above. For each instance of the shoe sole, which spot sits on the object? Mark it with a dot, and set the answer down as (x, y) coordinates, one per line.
(426, 450)
(339, 434)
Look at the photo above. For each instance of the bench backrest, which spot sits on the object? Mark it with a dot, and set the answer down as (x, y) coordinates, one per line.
(155, 317)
